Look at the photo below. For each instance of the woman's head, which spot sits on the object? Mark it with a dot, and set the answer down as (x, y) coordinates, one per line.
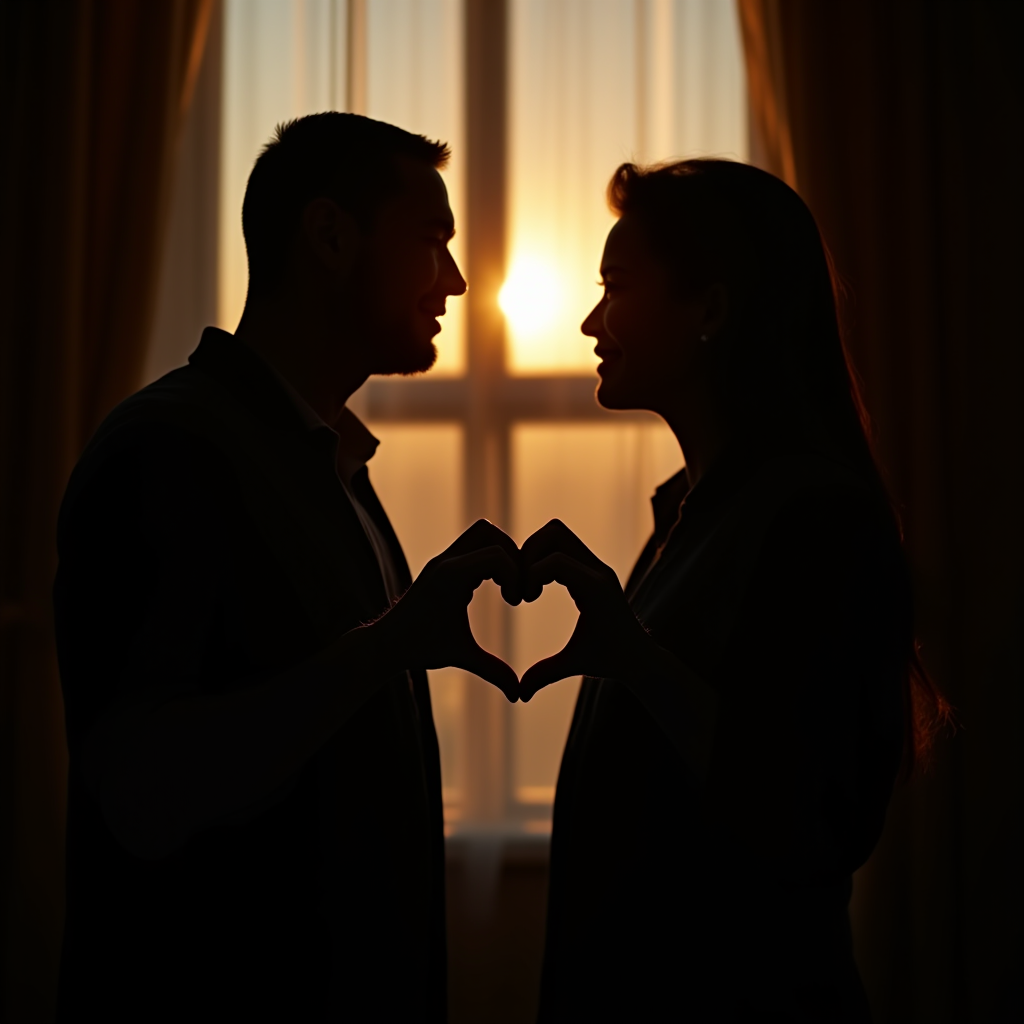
(717, 278)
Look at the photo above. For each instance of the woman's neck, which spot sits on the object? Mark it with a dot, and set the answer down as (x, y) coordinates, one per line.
(702, 431)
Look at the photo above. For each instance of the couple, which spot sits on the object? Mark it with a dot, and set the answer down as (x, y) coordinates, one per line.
(254, 819)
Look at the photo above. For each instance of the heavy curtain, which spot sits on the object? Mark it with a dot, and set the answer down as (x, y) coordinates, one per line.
(95, 94)
(900, 125)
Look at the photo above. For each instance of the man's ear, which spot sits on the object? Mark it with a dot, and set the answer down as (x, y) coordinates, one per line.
(332, 236)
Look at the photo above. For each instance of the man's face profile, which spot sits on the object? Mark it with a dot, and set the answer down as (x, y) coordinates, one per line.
(406, 274)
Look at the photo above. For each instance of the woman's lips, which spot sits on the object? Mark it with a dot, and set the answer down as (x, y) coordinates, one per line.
(607, 357)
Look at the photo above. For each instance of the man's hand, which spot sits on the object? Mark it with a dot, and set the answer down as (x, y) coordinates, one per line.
(429, 627)
(608, 639)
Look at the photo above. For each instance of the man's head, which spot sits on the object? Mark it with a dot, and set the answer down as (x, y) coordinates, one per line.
(351, 214)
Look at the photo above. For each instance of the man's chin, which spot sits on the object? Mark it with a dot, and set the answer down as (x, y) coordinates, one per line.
(409, 360)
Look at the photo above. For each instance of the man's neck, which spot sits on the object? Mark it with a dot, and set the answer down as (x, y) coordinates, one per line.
(302, 350)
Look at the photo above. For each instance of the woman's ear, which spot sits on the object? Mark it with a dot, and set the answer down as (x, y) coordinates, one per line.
(332, 236)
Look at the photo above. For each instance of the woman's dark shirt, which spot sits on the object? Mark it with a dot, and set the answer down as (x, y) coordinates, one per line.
(326, 900)
(781, 583)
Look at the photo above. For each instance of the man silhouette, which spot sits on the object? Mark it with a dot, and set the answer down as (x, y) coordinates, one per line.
(254, 819)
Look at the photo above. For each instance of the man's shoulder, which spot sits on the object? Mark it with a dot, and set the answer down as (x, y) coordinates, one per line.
(180, 399)
(167, 430)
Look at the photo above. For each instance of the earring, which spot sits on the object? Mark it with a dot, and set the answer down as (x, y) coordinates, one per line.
(704, 339)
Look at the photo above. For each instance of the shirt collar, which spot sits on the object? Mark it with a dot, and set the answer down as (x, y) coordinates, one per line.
(269, 395)
(309, 416)
(356, 445)
(249, 379)
(675, 497)
(665, 503)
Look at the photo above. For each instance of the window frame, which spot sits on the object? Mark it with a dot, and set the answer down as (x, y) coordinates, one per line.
(487, 401)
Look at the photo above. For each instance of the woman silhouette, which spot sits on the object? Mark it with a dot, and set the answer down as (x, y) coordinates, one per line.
(730, 760)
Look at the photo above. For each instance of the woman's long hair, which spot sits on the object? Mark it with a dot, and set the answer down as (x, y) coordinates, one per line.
(784, 361)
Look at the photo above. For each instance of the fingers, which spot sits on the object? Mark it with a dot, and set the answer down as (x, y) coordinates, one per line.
(490, 667)
(484, 534)
(545, 672)
(493, 563)
(554, 537)
(580, 580)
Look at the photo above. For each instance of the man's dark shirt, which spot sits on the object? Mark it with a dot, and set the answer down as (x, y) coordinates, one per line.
(326, 900)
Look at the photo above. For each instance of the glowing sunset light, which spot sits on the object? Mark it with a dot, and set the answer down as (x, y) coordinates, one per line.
(531, 296)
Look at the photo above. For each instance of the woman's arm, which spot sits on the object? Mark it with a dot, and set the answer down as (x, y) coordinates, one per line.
(610, 642)
(810, 730)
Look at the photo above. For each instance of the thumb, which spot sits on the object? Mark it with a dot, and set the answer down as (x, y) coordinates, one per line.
(545, 672)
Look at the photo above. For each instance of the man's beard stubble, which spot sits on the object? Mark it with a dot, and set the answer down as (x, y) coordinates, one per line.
(400, 353)
(395, 349)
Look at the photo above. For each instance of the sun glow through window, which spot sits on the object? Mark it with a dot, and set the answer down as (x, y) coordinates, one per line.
(591, 85)
(531, 297)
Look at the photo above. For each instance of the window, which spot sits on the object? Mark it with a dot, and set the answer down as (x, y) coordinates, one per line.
(541, 100)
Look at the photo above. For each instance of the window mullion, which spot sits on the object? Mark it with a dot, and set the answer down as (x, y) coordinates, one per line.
(486, 428)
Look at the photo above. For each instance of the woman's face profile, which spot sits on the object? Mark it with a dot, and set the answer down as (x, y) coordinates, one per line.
(647, 333)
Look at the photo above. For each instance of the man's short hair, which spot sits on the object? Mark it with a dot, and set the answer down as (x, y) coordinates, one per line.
(350, 159)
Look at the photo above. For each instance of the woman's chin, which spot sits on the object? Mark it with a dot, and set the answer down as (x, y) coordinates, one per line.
(611, 395)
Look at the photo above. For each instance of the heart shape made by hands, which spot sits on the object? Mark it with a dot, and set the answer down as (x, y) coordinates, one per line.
(431, 622)
(606, 635)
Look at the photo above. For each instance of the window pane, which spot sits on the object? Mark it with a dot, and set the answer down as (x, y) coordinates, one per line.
(597, 478)
(415, 64)
(281, 60)
(417, 473)
(595, 83)
(287, 58)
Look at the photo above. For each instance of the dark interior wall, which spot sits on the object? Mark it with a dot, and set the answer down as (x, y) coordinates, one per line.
(906, 123)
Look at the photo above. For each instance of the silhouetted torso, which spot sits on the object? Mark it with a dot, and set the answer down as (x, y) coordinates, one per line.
(782, 585)
(327, 900)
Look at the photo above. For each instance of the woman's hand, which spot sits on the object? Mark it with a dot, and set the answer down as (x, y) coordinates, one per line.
(429, 627)
(608, 640)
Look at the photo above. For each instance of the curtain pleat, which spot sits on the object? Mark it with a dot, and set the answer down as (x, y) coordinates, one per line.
(771, 146)
(95, 94)
(904, 120)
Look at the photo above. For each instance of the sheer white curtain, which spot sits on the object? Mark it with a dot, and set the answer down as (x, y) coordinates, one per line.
(414, 79)
(595, 83)
(281, 60)
(287, 58)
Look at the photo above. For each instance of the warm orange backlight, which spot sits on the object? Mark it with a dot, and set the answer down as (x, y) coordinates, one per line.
(531, 296)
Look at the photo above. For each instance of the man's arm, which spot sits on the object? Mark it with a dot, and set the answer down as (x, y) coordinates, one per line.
(162, 772)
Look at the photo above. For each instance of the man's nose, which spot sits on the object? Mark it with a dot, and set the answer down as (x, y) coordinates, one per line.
(460, 287)
(454, 282)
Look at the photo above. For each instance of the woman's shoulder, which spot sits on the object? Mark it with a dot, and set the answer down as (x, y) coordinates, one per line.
(813, 496)
(808, 474)
(815, 532)
(796, 505)
(831, 545)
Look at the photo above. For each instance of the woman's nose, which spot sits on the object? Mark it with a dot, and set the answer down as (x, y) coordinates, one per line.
(594, 322)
